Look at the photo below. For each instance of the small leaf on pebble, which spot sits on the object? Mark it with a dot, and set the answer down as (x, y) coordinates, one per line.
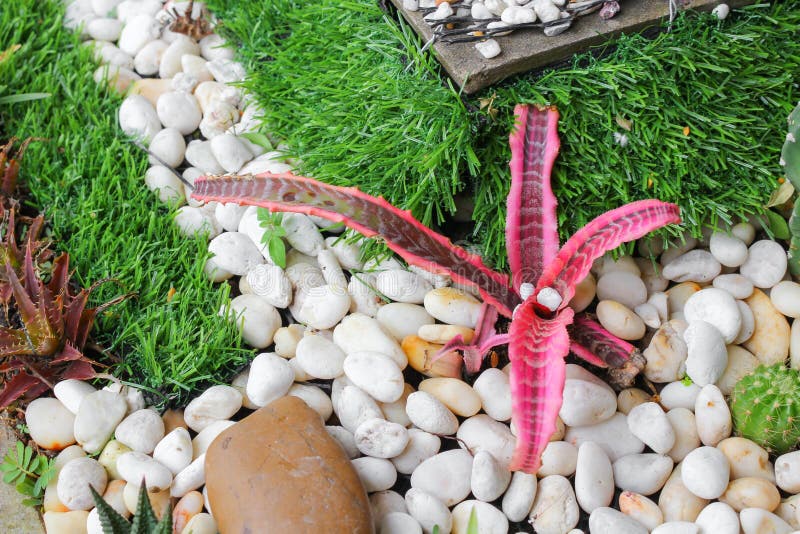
(777, 225)
(781, 195)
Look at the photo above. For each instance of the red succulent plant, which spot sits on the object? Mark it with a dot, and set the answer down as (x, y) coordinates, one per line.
(543, 277)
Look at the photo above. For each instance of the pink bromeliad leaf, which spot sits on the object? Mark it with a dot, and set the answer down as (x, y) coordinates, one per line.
(485, 339)
(531, 223)
(596, 345)
(406, 236)
(537, 350)
(602, 234)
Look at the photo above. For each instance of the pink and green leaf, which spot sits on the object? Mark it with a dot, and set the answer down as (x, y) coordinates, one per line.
(371, 216)
(531, 223)
(485, 338)
(602, 234)
(537, 350)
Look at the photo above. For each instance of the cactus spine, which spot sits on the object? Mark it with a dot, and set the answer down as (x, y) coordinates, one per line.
(765, 407)
(790, 160)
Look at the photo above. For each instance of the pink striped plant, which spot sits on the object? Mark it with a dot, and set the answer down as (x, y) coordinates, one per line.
(543, 277)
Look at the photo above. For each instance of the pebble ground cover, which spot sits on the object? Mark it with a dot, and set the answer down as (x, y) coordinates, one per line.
(358, 351)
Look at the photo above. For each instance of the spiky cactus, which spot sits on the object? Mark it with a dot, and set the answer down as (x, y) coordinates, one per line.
(790, 160)
(765, 407)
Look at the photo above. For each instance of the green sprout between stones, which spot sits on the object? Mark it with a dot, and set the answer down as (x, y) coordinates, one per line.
(28, 471)
(144, 521)
(273, 235)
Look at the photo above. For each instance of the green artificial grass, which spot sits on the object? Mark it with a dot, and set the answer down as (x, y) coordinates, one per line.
(344, 84)
(88, 180)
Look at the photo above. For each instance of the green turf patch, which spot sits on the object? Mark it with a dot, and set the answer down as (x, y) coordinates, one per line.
(344, 85)
(88, 179)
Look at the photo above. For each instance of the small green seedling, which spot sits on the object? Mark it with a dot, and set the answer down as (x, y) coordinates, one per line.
(273, 235)
(28, 471)
(472, 526)
(144, 522)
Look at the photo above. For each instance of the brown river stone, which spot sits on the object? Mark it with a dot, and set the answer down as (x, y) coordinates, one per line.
(278, 470)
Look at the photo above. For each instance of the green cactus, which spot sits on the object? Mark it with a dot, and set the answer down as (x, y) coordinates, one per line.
(765, 407)
(794, 244)
(790, 155)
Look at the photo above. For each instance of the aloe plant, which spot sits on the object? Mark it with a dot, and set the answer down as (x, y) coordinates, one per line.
(144, 521)
(543, 277)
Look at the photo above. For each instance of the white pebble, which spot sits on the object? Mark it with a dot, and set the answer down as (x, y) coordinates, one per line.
(686, 439)
(320, 357)
(377, 474)
(716, 307)
(353, 407)
(270, 378)
(138, 118)
(399, 523)
(74, 480)
(494, 389)
(713, 416)
(787, 472)
(718, 518)
(785, 297)
(136, 467)
(180, 111)
(642, 473)
(256, 319)
(174, 451)
(729, 250)
(613, 435)
(766, 264)
(679, 395)
(759, 521)
(453, 306)
(489, 479)
(358, 332)
(608, 520)
(707, 355)
(594, 477)
(694, 266)
(490, 519)
(446, 476)
(376, 374)
(401, 319)
(558, 458)
(706, 472)
(735, 284)
(141, 430)
(430, 414)
(381, 439)
(428, 511)
(649, 423)
(50, 424)
(230, 152)
(623, 287)
(489, 48)
(481, 432)
(421, 446)
(555, 509)
(214, 404)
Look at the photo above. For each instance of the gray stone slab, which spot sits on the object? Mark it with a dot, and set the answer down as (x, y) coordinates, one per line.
(15, 518)
(524, 50)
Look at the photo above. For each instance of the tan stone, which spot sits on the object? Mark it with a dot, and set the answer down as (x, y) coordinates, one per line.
(770, 341)
(751, 492)
(421, 353)
(279, 467)
(172, 420)
(150, 88)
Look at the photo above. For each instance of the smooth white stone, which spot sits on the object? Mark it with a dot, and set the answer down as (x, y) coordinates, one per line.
(191, 478)
(171, 58)
(481, 432)
(494, 389)
(138, 31)
(344, 438)
(74, 480)
(226, 70)
(787, 472)
(609, 520)
(174, 451)
(490, 519)
(694, 266)
(230, 152)
(707, 355)
(613, 435)
(104, 29)
(766, 264)
(685, 427)
(713, 416)
(214, 404)
(519, 497)
(50, 424)
(385, 502)
(642, 473)
(785, 297)
(163, 181)
(137, 466)
(489, 479)
(138, 118)
(399, 523)
(320, 357)
(203, 440)
(629, 398)
(740, 363)
(729, 250)
(649, 423)
(706, 472)
(270, 378)
(320, 307)
(446, 476)
(271, 283)
(716, 307)
(746, 459)
(555, 509)
(666, 354)
(402, 286)
(428, 510)
(679, 395)
(99, 414)
(594, 477)
(586, 403)
(489, 48)
(198, 154)
(453, 306)
(229, 215)
(377, 474)
(402, 319)
(141, 430)
(758, 521)
(380, 438)
(353, 407)
(71, 393)
(676, 527)
(214, 47)
(748, 323)
(430, 414)
(235, 253)
(421, 446)
(358, 332)
(558, 458)
(737, 285)
(180, 111)
(623, 287)
(256, 319)
(718, 518)
(148, 58)
(364, 299)
(396, 411)
(168, 145)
